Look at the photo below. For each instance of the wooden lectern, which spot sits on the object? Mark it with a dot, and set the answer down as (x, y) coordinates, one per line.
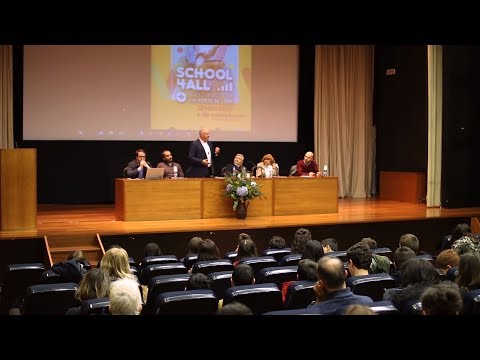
(18, 189)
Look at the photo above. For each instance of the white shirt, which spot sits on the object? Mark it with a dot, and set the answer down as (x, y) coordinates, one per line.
(268, 171)
(207, 151)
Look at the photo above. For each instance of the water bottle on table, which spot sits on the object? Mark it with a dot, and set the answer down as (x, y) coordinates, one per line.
(175, 172)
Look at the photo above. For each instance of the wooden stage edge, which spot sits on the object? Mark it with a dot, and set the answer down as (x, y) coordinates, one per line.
(87, 219)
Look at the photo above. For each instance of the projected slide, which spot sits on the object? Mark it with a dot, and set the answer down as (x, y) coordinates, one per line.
(207, 85)
(160, 92)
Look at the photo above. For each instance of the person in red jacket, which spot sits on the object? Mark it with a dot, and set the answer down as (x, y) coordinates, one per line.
(308, 166)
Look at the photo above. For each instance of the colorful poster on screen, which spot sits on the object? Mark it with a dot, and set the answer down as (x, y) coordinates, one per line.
(204, 85)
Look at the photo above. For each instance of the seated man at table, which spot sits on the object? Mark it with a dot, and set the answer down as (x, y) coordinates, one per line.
(307, 166)
(137, 168)
(237, 166)
(172, 169)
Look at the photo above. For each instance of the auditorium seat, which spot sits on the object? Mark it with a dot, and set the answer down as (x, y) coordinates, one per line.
(277, 275)
(300, 294)
(49, 299)
(208, 266)
(161, 284)
(259, 298)
(293, 170)
(471, 302)
(17, 278)
(384, 307)
(221, 281)
(277, 254)
(189, 260)
(231, 255)
(372, 285)
(98, 306)
(151, 271)
(189, 302)
(51, 277)
(151, 260)
(290, 260)
(259, 262)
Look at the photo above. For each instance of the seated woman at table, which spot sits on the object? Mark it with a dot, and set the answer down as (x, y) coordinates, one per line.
(267, 167)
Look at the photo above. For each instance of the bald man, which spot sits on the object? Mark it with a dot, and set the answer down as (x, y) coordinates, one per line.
(307, 166)
(201, 156)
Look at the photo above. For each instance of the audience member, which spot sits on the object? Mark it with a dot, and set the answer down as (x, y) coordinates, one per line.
(329, 245)
(411, 241)
(234, 168)
(242, 275)
(201, 156)
(245, 249)
(307, 166)
(441, 299)
(198, 281)
(234, 308)
(300, 238)
(459, 231)
(95, 284)
(417, 275)
(468, 277)
(306, 270)
(277, 242)
(333, 296)
(208, 250)
(359, 259)
(446, 260)
(400, 256)
(357, 309)
(152, 249)
(467, 243)
(137, 168)
(115, 264)
(125, 299)
(170, 166)
(380, 263)
(267, 168)
(313, 250)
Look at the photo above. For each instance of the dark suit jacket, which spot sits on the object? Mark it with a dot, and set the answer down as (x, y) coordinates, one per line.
(228, 170)
(196, 153)
(132, 169)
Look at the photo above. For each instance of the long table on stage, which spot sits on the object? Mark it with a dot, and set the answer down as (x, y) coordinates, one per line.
(199, 198)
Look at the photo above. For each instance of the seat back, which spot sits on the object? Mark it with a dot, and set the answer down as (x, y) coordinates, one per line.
(277, 275)
(340, 254)
(189, 260)
(208, 266)
(372, 285)
(259, 262)
(125, 174)
(151, 260)
(293, 170)
(471, 302)
(221, 281)
(190, 302)
(290, 260)
(161, 284)
(98, 306)
(260, 298)
(49, 299)
(277, 254)
(51, 277)
(154, 270)
(17, 278)
(300, 294)
(384, 307)
(384, 251)
(231, 255)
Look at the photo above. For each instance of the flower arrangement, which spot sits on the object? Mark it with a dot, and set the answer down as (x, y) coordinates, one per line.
(241, 187)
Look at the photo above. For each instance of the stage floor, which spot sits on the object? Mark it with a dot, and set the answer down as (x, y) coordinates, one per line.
(91, 219)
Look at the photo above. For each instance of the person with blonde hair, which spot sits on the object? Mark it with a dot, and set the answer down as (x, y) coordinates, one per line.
(267, 168)
(115, 264)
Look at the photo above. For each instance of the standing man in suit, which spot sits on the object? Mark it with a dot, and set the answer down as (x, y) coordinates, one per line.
(137, 168)
(201, 155)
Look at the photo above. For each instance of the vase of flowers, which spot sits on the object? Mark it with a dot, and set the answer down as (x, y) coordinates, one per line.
(241, 187)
